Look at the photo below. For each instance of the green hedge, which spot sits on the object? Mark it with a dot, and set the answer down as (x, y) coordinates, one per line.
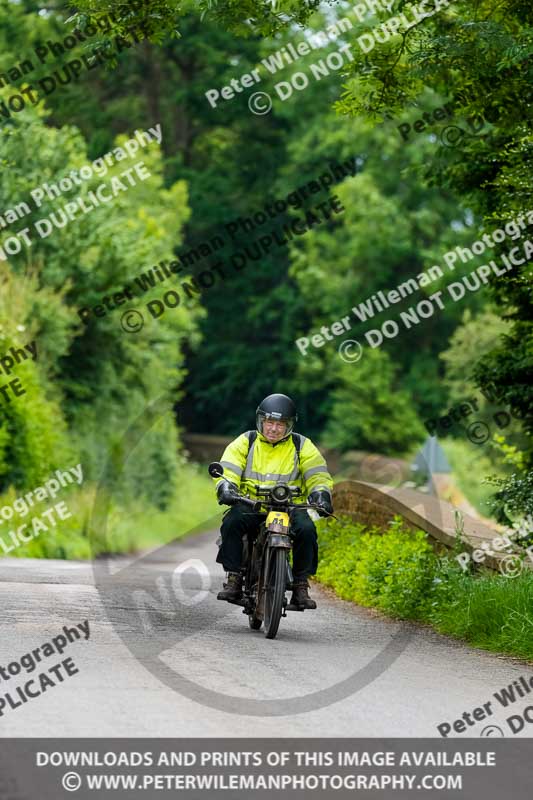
(398, 572)
(130, 527)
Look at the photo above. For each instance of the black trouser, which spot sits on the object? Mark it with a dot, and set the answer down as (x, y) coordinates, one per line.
(240, 520)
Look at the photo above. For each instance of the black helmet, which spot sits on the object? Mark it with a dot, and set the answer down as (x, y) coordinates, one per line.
(278, 407)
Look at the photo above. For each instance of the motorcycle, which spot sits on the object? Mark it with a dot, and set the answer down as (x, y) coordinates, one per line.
(266, 569)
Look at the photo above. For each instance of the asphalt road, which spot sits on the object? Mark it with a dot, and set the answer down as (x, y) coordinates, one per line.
(165, 658)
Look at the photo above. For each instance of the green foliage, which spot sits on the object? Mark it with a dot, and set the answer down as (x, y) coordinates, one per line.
(391, 231)
(479, 55)
(397, 571)
(369, 410)
(468, 354)
(33, 434)
(131, 526)
(514, 498)
(164, 17)
(475, 336)
(508, 369)
(409, 203)
(103, 377)
(392, 572)
(491, 612)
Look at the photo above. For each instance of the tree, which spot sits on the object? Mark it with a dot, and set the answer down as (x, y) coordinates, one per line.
(160, 18)
(370, 411)
(471, 340)
(409, 203)
(479, 55)
(33, 435)
(102, 376)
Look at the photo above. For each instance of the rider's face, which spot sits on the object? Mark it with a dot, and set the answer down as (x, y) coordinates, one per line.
(274, 429)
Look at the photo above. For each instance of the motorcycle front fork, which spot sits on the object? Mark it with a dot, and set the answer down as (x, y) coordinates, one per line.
(249, 604)
(290, 577)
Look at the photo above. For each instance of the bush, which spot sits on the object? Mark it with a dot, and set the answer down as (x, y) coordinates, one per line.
(33, 433)
(398, 572)
(514, 498)
(392, 572)
(91, 382)
(130, 526)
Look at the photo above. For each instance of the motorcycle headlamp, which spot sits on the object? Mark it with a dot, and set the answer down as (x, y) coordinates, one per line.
(281, 493)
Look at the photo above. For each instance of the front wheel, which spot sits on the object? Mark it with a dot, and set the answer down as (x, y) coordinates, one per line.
(275, 583)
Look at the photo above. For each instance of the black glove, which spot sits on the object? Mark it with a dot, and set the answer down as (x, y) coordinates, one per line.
(323, 501)
(227, 493)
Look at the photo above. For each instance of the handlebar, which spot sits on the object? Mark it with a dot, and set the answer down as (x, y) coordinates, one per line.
(216, 470)
(256, 505)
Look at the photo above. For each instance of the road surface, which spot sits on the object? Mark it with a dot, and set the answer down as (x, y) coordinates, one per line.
(165, 658)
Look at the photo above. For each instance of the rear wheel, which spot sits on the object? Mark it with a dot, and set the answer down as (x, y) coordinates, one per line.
(275, 591)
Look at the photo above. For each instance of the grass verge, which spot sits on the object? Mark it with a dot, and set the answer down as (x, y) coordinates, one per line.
(398, 572)
(131, 525)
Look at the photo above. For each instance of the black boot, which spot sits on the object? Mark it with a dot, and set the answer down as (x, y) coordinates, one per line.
(300, 596)
(232, 589)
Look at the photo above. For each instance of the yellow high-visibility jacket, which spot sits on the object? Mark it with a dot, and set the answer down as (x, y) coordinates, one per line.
(265, 464)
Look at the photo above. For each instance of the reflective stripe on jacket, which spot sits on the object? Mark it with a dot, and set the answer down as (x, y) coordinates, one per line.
(265, 464)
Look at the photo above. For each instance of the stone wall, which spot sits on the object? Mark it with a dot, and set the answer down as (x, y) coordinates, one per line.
(373, 504)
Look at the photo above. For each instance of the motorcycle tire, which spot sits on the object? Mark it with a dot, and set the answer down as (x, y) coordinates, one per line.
(275, 583)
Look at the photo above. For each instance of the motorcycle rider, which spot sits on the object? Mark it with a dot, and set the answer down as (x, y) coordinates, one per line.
(269, 455)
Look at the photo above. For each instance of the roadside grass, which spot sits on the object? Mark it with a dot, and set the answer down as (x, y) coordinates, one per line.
(491, 612)
(130, 526)
(398, 572)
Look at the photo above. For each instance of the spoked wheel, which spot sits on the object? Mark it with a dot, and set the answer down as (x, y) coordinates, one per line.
(275, 591)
